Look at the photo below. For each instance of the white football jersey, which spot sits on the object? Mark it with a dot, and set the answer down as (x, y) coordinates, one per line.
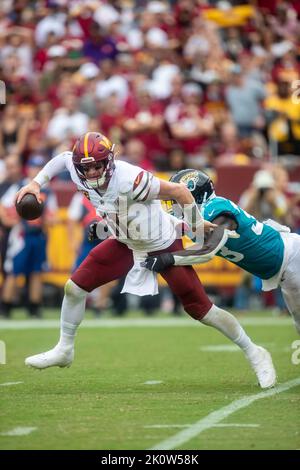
(129, 204)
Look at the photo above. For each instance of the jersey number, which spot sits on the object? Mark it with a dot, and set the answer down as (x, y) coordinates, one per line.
(233, 256)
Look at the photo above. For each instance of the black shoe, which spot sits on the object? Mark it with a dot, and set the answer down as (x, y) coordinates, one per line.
(5, 309)
(34, 310)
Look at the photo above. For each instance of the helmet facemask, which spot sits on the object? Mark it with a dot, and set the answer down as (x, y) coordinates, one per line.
(96, 183)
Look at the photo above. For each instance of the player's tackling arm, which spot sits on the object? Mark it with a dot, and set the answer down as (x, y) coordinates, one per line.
(53, 168)
(214, 241)
(197, 254)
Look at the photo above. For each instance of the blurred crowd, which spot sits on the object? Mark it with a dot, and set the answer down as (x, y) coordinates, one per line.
(213, 80)
(176, 84)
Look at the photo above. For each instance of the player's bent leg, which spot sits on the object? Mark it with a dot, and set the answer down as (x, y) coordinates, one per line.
(290, 283)
(259, 358)
(185, 283)
(72, 313)
(290, 289)
(108, 261)
(292, 301)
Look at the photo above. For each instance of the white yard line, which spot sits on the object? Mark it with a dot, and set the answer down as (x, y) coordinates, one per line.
(217, 416)
(165, 426)
(220, 348)
(6, 384)
(19, 431)
(135, 322)
(153, 382)
(229, 425)
(234, 348)
(236, 425)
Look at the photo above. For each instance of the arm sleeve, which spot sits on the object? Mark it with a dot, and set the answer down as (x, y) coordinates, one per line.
(199, 254)
(220, 206)
(53, 168)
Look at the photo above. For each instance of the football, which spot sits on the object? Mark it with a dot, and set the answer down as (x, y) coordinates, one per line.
(29, 208)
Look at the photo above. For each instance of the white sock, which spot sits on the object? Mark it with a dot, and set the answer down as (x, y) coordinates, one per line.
(231, 328)
(72, 313)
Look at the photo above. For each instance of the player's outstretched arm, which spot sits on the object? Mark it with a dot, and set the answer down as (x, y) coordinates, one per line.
(197, 254)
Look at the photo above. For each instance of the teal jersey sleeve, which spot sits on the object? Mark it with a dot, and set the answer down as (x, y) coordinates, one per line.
(217, 206)
(254, 250)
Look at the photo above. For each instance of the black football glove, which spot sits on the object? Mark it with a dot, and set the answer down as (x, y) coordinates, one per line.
(97, 231)
(158, 263)
(92, 234)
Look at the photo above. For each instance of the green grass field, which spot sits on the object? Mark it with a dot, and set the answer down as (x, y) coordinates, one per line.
(103, 402)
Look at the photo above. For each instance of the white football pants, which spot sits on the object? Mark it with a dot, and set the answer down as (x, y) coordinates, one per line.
(290, 281)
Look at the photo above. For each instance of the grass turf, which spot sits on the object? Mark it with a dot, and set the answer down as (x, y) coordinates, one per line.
(102, 401)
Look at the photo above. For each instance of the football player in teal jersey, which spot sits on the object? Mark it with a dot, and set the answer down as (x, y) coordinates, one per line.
(267, 250)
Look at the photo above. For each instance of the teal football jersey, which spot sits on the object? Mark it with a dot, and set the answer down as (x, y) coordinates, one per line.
(259, 249)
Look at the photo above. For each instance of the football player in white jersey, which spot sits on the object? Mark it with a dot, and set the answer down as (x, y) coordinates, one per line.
(128, 199)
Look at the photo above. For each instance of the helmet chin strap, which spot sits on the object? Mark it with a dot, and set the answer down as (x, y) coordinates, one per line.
(213, 195)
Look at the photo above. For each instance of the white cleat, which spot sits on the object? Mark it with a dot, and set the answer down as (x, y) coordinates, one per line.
(55, 357)
(263, 367)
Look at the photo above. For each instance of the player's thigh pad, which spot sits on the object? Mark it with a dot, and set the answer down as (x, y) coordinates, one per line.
(106, 262)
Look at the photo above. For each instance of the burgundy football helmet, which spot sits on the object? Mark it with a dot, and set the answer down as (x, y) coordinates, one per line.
(90, 149)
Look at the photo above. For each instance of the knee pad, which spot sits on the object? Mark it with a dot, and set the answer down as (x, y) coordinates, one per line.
(74, 291)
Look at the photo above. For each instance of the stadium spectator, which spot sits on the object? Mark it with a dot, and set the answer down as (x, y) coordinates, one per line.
(68, 121)
(244, 97)
(12, 172)
(13, 131)
(284, 116)
(128, 66)
(135, 153)
(26, 251)
(264, 200)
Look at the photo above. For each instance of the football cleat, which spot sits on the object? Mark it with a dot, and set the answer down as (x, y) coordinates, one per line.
(263, 367)
(55, 357)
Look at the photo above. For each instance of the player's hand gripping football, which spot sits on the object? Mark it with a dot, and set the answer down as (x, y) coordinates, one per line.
(158, 263)
(32, 188)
